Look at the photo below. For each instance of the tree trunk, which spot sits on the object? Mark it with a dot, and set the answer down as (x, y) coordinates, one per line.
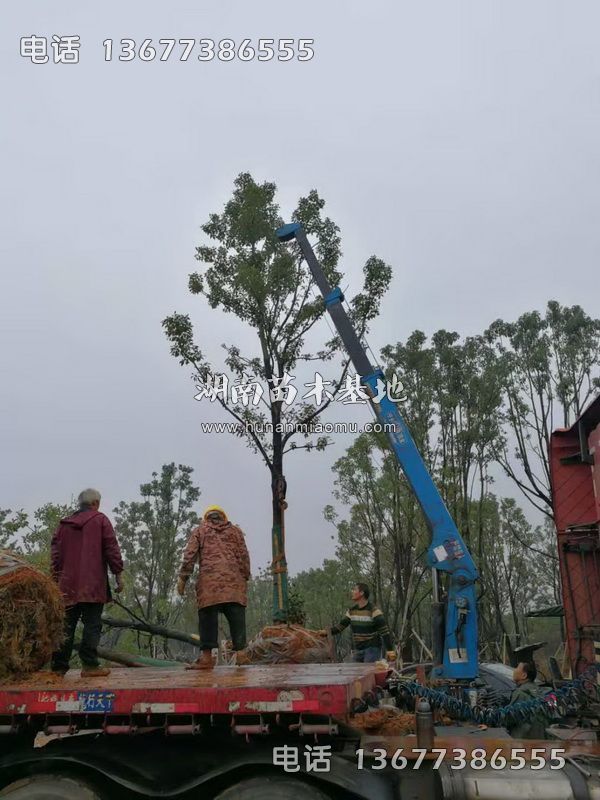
(147, 627)
(279, 564)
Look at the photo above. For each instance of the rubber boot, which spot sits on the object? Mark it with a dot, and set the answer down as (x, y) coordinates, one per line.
(204, 662)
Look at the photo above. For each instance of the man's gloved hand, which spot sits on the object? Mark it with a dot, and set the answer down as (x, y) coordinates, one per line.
(119, 583)
(322, 632)
(181, 587)
(390, 655)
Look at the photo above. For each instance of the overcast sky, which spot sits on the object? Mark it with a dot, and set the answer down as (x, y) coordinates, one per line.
(456, 140)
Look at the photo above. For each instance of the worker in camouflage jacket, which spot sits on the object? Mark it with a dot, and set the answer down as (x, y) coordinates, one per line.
(219, 548)
(524, 675)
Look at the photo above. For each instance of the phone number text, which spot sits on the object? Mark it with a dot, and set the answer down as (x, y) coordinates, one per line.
(477, 759)
(209, 49)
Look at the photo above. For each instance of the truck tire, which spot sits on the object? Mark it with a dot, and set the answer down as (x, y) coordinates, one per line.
(49, 787)
(272, 787)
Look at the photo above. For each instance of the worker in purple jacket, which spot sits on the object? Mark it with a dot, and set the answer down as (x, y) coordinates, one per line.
(83, 548)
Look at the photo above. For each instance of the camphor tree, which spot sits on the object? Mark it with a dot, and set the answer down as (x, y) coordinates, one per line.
(549, 367)
(32, 537)
(381, 537)
(265, 284)
(11, 523)
(518, 569)
(452, 398)
(326, 591)
(152, 533)
(38, 535)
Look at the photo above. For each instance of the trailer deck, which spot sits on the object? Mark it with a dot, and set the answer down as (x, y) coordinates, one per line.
(321, 689)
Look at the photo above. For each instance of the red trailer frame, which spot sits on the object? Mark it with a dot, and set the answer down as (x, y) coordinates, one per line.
(576, 501)
(186, 699)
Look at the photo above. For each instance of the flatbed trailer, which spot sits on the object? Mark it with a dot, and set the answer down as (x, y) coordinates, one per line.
(131, 699)
(173, 733)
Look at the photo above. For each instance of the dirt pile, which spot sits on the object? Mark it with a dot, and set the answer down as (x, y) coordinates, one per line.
(386, 721)
(31, 616)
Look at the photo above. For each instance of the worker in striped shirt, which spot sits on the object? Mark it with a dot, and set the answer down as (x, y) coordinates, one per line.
(368, 626)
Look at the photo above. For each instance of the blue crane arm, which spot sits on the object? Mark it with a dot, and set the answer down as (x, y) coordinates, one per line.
(455, 618)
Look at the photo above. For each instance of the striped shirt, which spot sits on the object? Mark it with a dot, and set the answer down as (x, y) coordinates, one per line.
(368, 627)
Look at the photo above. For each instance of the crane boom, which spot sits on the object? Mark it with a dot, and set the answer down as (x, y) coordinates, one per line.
(454, 618)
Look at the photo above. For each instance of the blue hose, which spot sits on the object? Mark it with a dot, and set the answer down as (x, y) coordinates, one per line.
(571, 696)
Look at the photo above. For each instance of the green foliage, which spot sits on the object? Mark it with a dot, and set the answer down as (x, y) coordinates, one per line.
(325, 591)
(454, 397)
(296, 611)
(518, 568)
(266, 284)
(259, 608)
(248, 272)
(453, 401)
(32, 538)
(382, 537)
(11, 524)
(37, 538)
(549, 367)
(152, 533)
